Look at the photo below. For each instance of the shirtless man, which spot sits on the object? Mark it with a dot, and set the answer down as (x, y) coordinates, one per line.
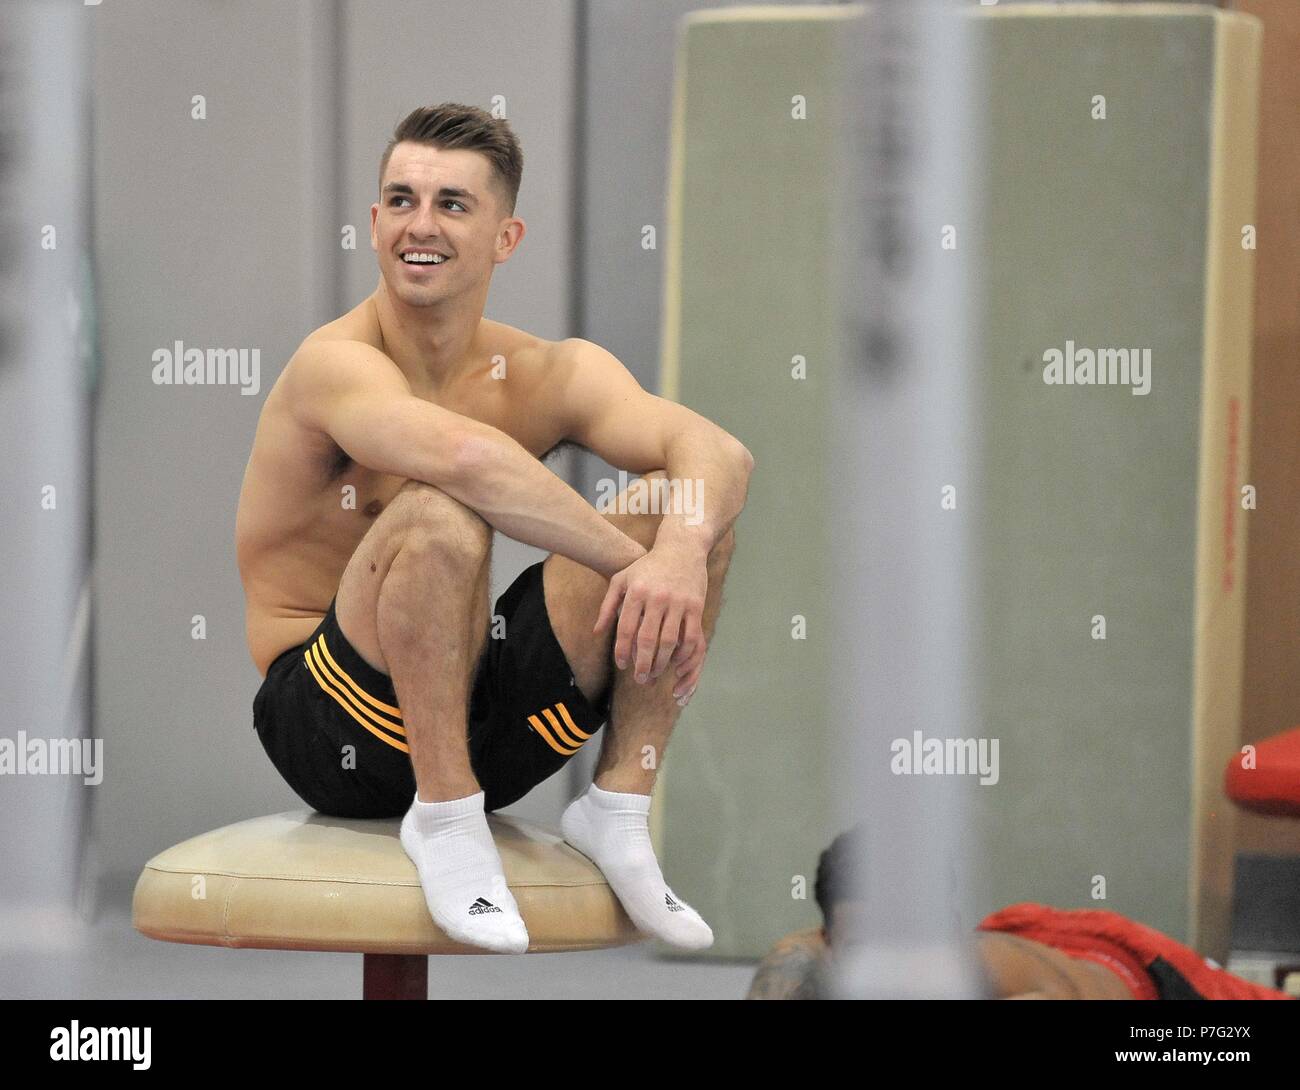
(1024, 951)
(397, 438)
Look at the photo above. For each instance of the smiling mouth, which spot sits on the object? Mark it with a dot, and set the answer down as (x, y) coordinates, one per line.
(418, 260)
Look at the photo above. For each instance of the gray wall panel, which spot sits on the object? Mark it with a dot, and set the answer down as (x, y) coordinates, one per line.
(224, 232)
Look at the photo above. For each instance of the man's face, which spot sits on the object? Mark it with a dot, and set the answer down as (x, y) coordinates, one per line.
(434, 200)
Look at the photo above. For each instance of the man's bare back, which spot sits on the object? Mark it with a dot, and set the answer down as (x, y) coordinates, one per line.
(297, 527)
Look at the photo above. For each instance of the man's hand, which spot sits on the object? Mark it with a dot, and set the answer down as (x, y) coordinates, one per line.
(659, 601)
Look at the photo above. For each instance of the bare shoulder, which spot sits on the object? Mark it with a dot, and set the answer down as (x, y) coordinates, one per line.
(325, 360)
(537, 367)
(576, 353)
(498, 341)
(361, 323)
(792, 968)
(584, 375)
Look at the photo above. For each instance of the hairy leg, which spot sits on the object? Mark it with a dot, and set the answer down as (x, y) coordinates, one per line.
(413, 602)
(609, 823)
(642, 716)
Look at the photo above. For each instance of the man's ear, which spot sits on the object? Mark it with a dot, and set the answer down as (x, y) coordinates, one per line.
(374, 214)
(508, 240)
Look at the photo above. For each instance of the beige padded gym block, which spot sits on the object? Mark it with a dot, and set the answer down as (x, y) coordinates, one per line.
(304, 881)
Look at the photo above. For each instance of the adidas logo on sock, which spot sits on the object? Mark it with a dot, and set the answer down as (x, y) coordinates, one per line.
(673, 906)
(481, 907)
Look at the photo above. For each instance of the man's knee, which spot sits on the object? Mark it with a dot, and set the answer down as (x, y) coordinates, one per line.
(431, 522)
(643, 529)
(639, 509)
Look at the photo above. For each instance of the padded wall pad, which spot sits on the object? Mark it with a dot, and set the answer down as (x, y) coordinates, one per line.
(1123, 232)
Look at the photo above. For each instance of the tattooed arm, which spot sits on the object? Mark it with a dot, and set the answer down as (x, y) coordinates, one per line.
(792, 969)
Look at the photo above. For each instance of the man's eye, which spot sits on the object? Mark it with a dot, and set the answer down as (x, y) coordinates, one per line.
(447, 201)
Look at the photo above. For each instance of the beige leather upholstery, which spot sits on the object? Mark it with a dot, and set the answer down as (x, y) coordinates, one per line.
(304, 881)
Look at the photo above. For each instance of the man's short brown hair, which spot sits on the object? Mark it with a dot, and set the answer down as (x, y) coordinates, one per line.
(453, 125)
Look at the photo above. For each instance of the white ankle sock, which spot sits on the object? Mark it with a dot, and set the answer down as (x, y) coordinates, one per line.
(612, 829)
(461, 875)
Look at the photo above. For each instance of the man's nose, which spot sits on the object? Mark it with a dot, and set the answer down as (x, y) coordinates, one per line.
(425, 223)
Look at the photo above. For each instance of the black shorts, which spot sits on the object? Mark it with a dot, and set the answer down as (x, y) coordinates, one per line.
(331, 725)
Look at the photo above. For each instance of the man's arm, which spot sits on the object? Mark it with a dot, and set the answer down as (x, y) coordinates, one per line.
(793, 969)
(608, 412)
(360, 398)
(659, 599)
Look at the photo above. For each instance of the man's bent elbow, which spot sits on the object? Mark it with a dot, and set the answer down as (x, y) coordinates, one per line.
(461, 464)
(746, 458)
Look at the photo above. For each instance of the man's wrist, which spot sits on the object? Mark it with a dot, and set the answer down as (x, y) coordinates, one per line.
(680, 536)
(629, 552)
